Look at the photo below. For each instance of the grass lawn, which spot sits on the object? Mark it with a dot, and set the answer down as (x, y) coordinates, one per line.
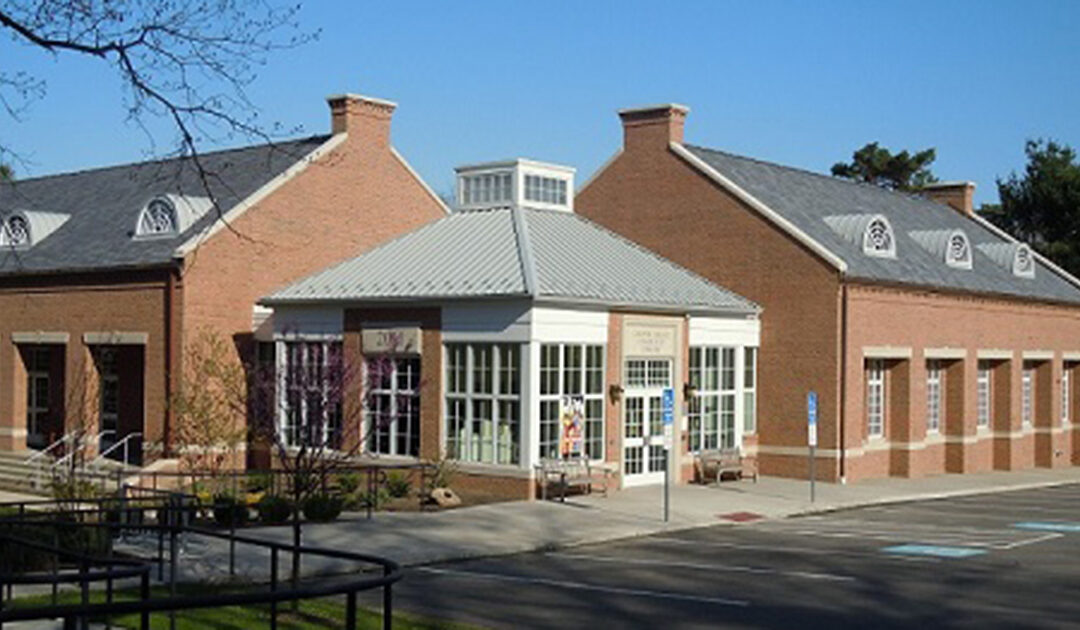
(318, 614)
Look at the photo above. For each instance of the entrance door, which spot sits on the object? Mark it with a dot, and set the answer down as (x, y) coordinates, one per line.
(643, 426)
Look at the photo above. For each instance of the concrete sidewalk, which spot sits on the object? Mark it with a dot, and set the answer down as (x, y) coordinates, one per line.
(505, 528)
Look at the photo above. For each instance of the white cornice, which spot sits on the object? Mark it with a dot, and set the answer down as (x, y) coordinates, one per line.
(263, 192)
(770, 214)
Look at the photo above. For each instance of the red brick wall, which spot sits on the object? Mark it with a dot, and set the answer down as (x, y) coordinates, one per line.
(879, 316)
(76, 304)
(653, 197)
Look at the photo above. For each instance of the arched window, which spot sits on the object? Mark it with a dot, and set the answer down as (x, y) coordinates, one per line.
(1023, 261)
(158, 217)
(16, 231)
(958, 251)
(878, 239)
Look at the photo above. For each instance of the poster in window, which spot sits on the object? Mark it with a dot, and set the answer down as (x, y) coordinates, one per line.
(572, 426)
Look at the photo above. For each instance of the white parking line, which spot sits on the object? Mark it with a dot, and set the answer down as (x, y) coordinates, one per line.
(797, 550)
(730, 568)
(583, 586)
(1037, 539)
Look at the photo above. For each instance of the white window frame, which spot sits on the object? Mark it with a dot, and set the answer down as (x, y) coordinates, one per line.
(461, 442)
(749, 385)
(330, 416)
(1027, 394)
(1066, 394)
(550, 400)
(934, 389)
(984, 394)
(876, 399)
(868, 245)
(146, 228)
(37, 411)
(398, 425)
(716, 382)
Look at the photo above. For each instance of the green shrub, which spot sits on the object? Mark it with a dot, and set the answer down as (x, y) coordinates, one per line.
(258, 482)
(374, 500)
(322, 508)
(229, 511)
(398, 484)
(274, 510)
(348, 482)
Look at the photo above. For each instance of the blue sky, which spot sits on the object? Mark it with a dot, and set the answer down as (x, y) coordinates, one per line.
(799, 83)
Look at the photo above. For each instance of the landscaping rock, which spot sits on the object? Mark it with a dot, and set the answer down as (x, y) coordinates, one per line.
(445, 497)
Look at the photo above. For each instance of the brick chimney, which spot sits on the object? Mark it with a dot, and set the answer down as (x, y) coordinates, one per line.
(654, 126)
(959, 195)
(361, 116)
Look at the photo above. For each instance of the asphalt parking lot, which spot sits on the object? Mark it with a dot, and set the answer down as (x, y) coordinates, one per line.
(1010, 559)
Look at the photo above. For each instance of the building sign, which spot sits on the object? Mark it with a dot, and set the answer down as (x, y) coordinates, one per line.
(649, 340)
(403, 340)
(572, 426)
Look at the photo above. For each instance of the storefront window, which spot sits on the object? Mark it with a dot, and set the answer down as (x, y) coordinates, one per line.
(712, 408)
(483, 403)
(394, 406)
(312, 391)
(749, 390)
(572, 375)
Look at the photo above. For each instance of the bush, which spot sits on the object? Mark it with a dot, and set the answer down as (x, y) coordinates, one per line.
(398, 484)
(348, 482)
(258, 482)
(322, 508)
(373, 500)
(274, 510)
(229, 511)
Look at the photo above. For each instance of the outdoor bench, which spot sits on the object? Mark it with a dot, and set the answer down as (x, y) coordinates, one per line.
(574, 471)
(712, 464)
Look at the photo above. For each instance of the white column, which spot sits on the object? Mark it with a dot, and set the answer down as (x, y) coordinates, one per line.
(530, 405)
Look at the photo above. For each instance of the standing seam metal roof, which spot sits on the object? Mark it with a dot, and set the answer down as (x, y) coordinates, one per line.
(807, 199)
(478, 254)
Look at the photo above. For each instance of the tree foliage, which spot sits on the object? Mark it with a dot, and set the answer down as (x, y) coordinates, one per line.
(1042, 206)
(7, 174)
(189, 61)
(874, 164)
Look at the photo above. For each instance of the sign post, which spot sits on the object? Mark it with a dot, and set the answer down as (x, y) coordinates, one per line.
(669, 438)
(811, 435)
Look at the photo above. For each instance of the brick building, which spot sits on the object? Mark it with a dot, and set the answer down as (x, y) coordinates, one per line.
(935, 342)
(106, 273)
(514, 332)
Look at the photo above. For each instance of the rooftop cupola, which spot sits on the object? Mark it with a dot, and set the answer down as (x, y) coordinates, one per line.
(514, 183)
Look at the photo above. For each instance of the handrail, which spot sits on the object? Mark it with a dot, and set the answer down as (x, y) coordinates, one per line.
(102, 455)
(67, 437)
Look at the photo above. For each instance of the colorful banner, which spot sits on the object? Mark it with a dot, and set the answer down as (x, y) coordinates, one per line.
(572, 426)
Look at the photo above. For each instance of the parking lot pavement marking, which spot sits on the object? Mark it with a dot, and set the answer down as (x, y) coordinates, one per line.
(583, 586)
(1031, 541)
(806, 551)
(730, 568)
(934, 550)
(1049, 526)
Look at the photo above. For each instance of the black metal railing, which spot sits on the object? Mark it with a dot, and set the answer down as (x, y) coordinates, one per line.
(168, 516)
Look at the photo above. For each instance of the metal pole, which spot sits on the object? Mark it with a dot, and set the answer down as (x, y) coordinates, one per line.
(144, 594)
(350, 611)
(173, 553)
(813, 477)
(387, 602)
(273, 586)
(667, 484)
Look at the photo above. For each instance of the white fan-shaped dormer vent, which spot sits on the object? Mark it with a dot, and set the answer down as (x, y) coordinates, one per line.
(22, 229)
(1023, 262)
(1015, 257)
(958, 250)
(170, 215)
(872, 232)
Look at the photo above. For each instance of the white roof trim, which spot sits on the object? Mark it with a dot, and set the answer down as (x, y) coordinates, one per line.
(254, 198)
(995, 354)
(764, 210)
(886, 352)
(600, 171)
(420, 180)
(945, 353)
(1065, 275)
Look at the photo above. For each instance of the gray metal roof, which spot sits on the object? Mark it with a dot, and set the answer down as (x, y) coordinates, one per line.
(542, 254)
(807, 199)
(105, 203)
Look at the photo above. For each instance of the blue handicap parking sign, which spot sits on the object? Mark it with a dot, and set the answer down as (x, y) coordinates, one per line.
(669, 405)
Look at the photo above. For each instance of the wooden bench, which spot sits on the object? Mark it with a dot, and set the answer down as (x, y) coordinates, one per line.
(571, 472)
(712, 464)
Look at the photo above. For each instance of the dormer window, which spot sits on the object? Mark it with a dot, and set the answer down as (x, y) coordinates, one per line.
(958, 251)
(1023, 261)
(486, 188)
(878, 239)
(16, 232)
(157, 218)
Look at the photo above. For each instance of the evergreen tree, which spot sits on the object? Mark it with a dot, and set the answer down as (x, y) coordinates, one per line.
(877, 165)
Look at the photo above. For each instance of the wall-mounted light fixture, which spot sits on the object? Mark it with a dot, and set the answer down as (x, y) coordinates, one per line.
(688, 391)
(615, 392)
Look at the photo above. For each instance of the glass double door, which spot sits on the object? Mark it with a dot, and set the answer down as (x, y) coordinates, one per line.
(643, 421)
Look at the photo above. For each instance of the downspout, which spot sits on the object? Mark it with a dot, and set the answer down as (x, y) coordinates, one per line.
(170, 302)
(843, 378)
